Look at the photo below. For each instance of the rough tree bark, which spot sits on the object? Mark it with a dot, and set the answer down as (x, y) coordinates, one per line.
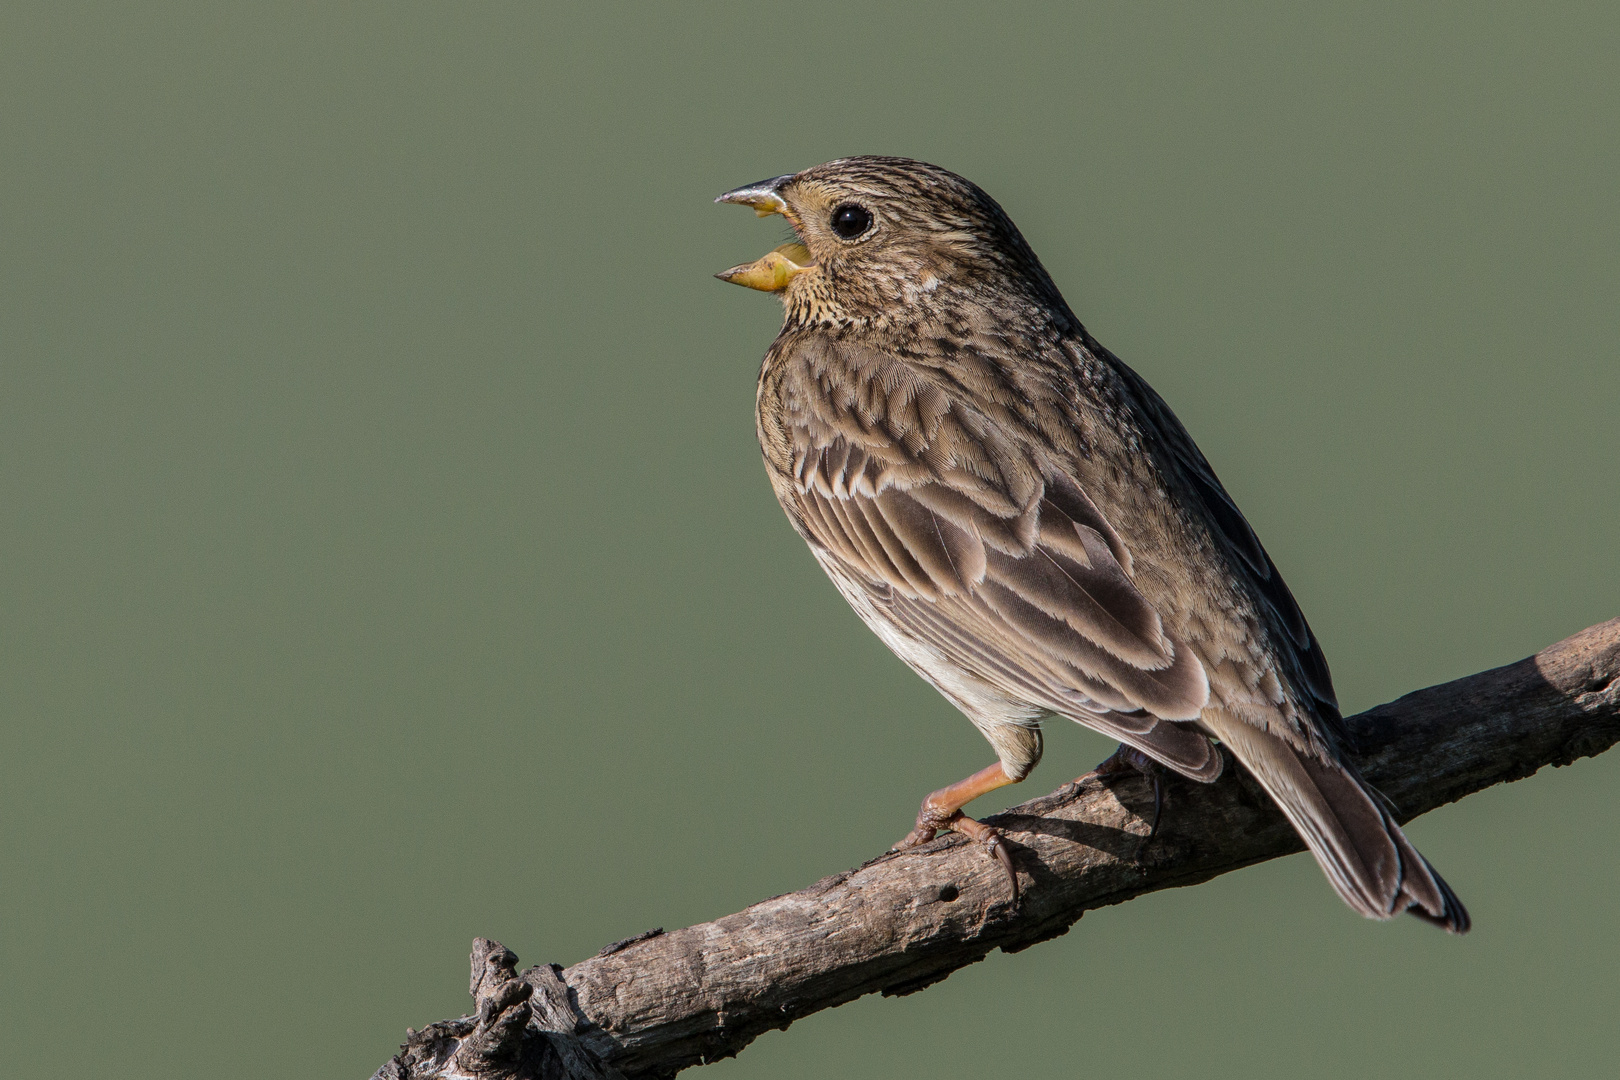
(657, 1003)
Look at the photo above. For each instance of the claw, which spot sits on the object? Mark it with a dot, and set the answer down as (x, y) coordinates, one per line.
(1124, 761)
(998, 849)
(915, 838)
(1158, 808)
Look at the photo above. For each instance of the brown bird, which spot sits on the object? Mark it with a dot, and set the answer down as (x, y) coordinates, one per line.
(1026, 523)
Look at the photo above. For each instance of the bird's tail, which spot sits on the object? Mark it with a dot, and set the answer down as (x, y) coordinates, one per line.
(1347, 826)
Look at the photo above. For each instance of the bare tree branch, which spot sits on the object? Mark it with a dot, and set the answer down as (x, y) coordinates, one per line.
(657, 1003)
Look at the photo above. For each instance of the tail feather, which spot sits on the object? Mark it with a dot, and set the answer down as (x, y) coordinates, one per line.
(1347, 826)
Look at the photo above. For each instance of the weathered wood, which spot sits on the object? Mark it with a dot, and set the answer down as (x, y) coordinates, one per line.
(652, 1005)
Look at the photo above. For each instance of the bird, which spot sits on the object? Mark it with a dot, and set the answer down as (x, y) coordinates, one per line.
(1025, 522)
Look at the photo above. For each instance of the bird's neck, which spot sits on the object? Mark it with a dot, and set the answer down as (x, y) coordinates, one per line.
(906, 306)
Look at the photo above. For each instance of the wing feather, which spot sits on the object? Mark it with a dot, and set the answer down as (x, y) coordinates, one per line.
(900, 556)
(1038, 603)
(1294, 638)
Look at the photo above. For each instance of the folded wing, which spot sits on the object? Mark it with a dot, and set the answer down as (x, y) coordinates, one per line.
(1030, 595)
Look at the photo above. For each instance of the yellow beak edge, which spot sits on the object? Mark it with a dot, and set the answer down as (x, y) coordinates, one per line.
(773, 272)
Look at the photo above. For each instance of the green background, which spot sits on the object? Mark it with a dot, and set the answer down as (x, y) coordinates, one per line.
(385, 558)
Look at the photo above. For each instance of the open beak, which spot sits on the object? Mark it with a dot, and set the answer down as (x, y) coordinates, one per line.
(777, 268)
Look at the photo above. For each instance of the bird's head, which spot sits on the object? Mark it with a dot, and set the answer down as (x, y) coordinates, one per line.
(876, 236)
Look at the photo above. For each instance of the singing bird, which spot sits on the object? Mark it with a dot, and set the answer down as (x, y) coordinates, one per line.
(1024, 521)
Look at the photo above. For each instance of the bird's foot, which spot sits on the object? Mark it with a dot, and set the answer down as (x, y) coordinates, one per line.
(932, 819)
(943, 810)
(1128, 760)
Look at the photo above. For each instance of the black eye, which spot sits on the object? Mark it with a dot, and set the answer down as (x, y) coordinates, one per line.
(849, 220)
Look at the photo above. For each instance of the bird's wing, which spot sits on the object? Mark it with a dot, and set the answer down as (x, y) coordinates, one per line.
(1013, 574)
(1291, 635)
(1348, 825)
